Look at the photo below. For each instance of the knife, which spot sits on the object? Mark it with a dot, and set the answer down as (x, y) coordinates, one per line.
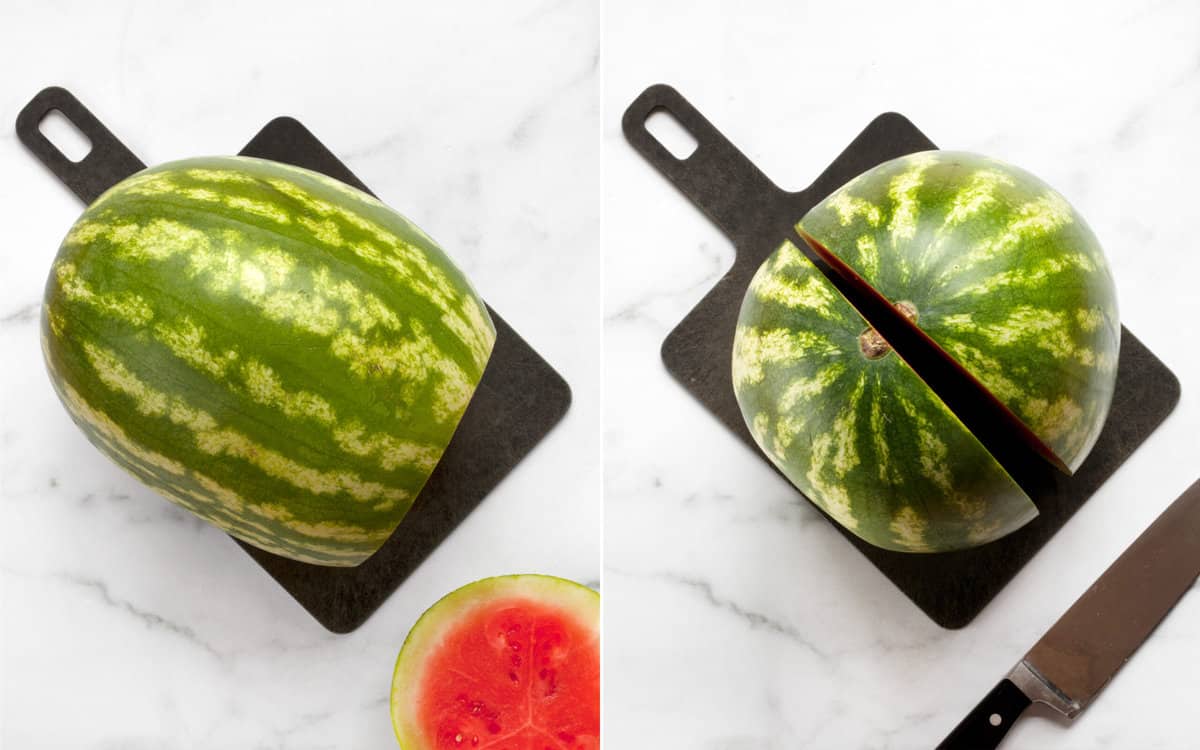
(1081, 652)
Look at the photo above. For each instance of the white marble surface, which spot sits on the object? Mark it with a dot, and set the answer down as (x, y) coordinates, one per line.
(125, 623)
(735, 617)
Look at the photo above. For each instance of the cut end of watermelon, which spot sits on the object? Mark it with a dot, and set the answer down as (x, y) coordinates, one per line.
(510, 662)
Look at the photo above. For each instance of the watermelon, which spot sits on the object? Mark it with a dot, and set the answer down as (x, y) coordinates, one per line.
(507, 663)
(279, 353)
(1002, 273)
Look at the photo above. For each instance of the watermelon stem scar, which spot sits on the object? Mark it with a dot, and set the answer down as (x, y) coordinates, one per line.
(875, 346)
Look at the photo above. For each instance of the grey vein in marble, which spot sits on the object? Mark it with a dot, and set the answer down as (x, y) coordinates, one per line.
(150, 619)
(756, 620)
(715, 264)
(24, 314)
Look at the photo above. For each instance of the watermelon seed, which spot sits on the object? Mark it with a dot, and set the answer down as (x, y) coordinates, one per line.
(550, 677)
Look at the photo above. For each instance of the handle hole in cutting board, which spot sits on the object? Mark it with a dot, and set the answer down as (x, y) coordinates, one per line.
(63, 135)
(671, 133)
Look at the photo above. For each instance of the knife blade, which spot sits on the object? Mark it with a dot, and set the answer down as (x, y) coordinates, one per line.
(1081, 652)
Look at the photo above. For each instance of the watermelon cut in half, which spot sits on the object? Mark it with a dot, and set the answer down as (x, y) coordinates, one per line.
(942, 323)
(506, 663)
(276, 351)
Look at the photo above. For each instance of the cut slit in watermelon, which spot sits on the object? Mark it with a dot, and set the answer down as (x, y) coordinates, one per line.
(1021, 453)
(508, 662)
(1005, 351)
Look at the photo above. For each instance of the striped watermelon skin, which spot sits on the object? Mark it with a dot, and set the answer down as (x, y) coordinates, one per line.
(275, 351)
(866, 440)
(1006, 276)
(1003, 274)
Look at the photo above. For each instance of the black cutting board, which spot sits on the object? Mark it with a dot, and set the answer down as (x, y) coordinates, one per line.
(951, 587)
(518, 401)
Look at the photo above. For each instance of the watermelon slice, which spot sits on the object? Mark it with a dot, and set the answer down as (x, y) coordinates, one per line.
(506, 663)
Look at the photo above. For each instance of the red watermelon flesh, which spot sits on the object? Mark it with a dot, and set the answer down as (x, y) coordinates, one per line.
(508, 670)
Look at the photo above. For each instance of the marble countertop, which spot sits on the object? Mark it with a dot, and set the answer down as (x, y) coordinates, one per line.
(124, 622)
(736, 617)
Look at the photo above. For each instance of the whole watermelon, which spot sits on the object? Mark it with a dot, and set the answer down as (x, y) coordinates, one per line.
(1001, 272)
(274, 350)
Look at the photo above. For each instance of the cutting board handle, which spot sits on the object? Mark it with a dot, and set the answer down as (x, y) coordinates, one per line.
(107, 163)
(717, 177)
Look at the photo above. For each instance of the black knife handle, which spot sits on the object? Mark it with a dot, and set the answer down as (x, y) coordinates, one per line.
(986, 725)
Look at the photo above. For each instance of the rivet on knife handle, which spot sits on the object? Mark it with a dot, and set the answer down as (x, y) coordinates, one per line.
(986, 725)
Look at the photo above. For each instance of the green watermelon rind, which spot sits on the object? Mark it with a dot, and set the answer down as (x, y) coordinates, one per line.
(796, 353)
(818, 442)
(276, 351)
(1066, 329)
(573, 599)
